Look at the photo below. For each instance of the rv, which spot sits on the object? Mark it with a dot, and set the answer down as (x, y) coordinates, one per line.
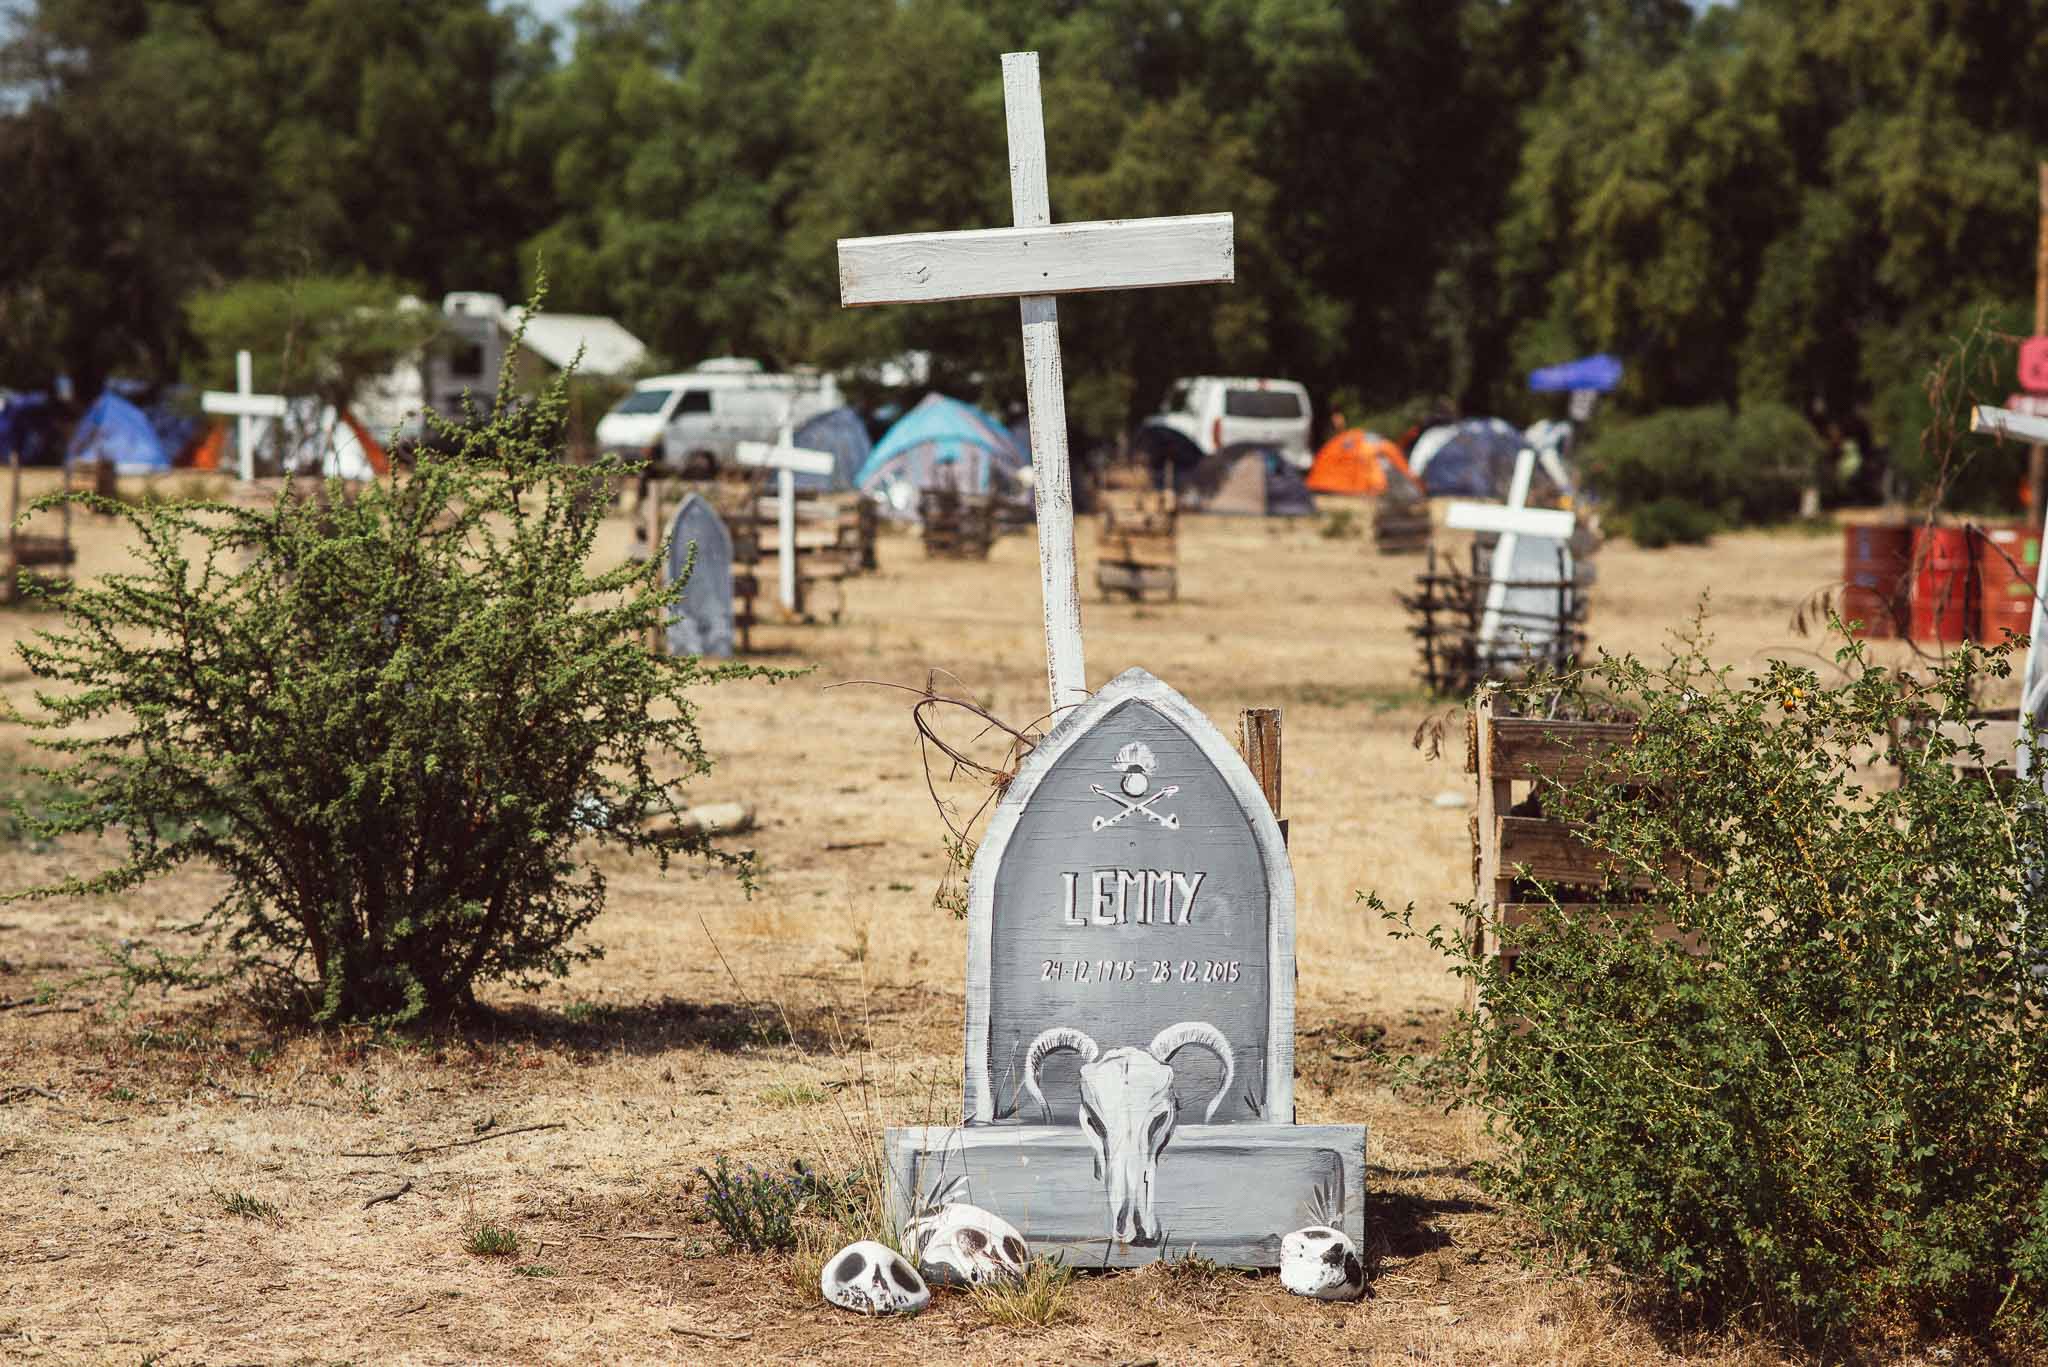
(691, 421)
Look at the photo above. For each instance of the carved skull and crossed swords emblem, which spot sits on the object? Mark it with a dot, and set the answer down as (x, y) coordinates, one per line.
(1137, 762)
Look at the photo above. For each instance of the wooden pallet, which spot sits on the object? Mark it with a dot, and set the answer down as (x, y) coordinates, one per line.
(1137, 551)
(1449, 605)
(1400, 526)
(30, 555)
(1513, 844)
(957, 526)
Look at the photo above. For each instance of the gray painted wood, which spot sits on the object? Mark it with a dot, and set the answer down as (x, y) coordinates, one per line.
(701, 624)
(1227, 1192)
(1029, 969)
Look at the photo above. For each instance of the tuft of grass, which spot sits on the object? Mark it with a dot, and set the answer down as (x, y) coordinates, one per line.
(536, 1270)
(784, 1095)
(492, 1241)
(1043, 1296)
(247, 1207)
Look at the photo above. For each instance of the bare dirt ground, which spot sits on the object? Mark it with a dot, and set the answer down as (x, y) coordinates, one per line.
(793, 1025)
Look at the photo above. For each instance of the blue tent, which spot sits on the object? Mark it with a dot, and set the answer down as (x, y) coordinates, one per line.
(115, 429)
(941, 443)
(1470, 459)
(842, 433)
(25, 428)
(1598, 373)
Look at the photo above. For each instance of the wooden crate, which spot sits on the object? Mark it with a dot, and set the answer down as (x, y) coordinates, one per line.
(957, 526)
(1400, 526)
(1501, 752)
(1137, 551)
(26, 555)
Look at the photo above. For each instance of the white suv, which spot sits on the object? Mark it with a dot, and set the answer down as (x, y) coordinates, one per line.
(1216, 411)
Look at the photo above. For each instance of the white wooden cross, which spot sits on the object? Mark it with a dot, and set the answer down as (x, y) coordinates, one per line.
(785, 458)
(2004, 422)
(246, 406)
(1512, 522)
(1036, 261)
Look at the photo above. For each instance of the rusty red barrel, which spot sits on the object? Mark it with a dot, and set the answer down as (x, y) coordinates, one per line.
(2007, 560)
(1944, 585)
(1877, 564)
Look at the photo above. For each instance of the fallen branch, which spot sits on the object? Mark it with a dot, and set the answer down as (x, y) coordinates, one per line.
(855, 844)
(389, 1195)
(657, 1238)
(451, 1144)
(693, 1332)
(21, 1090)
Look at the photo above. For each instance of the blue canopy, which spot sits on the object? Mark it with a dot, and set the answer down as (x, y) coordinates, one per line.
(1598, 373)
(941, 443)
(842, 433)
(115, 429)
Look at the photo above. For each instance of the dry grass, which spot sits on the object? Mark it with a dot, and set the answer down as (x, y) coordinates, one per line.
(794, 1025)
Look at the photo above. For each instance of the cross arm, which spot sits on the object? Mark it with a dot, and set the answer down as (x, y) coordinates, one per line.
(1060, 258)
(801, 459)
(2006, 423)
(1486, 517)
(243, 405)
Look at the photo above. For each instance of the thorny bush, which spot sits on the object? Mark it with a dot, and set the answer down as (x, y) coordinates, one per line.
(1835, 1116)
(395, 717)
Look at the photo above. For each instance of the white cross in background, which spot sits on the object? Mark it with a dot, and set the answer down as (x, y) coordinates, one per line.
(1513, 522)
(786, 458)
(245, 406)
(2033, 685)
(1036, 261)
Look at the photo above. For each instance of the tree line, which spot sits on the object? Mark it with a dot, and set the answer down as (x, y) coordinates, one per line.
(1798, 201)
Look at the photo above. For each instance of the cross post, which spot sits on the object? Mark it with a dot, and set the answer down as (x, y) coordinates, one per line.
(1036, 261)
(2003, 422)
(246, 407)
(785, 458)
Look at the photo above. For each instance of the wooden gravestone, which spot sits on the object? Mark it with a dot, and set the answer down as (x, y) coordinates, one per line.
(1130, 1007)
(701, 624)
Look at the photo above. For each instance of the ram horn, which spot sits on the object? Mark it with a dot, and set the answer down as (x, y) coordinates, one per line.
(1051, 1042)
(1176, 1037)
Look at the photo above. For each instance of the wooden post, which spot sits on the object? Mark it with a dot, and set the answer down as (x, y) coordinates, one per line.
(2037, 454)
(1258, 739)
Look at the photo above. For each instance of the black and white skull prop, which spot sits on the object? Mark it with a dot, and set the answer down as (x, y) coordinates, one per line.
(966, 1244)
(873, 1279)
(1320, 1261)
(1128, 1111)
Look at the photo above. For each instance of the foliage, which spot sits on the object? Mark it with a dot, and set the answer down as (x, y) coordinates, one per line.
(1043, 1296)
(762, 1212)
(1671, 521)
(396, 717)
(1747, 467)
(320, 334)
(489, 1240)
(1832, 1117)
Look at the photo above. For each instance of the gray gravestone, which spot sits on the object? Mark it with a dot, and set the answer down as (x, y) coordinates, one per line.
(1130, 1007)
(701, 624)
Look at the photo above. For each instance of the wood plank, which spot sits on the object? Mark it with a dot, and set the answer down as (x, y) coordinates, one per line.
(1056, 258)
(1550, 850)
(1525, 748)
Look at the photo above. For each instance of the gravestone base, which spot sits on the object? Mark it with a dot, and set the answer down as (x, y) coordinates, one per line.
(1225, 1192)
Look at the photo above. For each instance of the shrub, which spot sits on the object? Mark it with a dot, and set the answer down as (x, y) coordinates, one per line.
(1836, 1116)
(487, 1240)
(393, 717)
(1747, 467)
(1670, 521)
(761, 1212)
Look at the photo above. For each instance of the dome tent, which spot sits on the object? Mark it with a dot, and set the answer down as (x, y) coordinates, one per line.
(1356, 461)
(1250, 479)
(1470, 459)
(116, 430)
(1168, 453)
(942, 443)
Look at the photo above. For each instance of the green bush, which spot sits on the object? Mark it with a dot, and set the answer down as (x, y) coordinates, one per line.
(1742, 468)
(393, 717)
(1670, 521)
(1835, 1118)
(760, 1211)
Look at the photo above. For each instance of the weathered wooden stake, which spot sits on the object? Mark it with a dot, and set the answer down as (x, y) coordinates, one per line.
(2037, 454)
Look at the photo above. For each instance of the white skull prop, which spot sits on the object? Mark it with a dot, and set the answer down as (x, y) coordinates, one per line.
(1128, 1111)
(963, 1243)
(873, 1279)
(1320, 1261)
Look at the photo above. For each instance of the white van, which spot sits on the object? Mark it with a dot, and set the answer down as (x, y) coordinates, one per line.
(1216, 411)
(691, 420)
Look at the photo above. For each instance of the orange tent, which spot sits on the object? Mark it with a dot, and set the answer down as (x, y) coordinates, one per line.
(1356, 461)
(207, 456)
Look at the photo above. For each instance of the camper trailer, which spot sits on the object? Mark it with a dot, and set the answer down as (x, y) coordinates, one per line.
(691, 421)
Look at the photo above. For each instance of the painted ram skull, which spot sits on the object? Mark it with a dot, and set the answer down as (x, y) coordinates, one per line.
(1128, 1111)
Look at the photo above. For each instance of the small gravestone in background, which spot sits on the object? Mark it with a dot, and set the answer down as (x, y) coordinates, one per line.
(701, 624)
(1130, 1007)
